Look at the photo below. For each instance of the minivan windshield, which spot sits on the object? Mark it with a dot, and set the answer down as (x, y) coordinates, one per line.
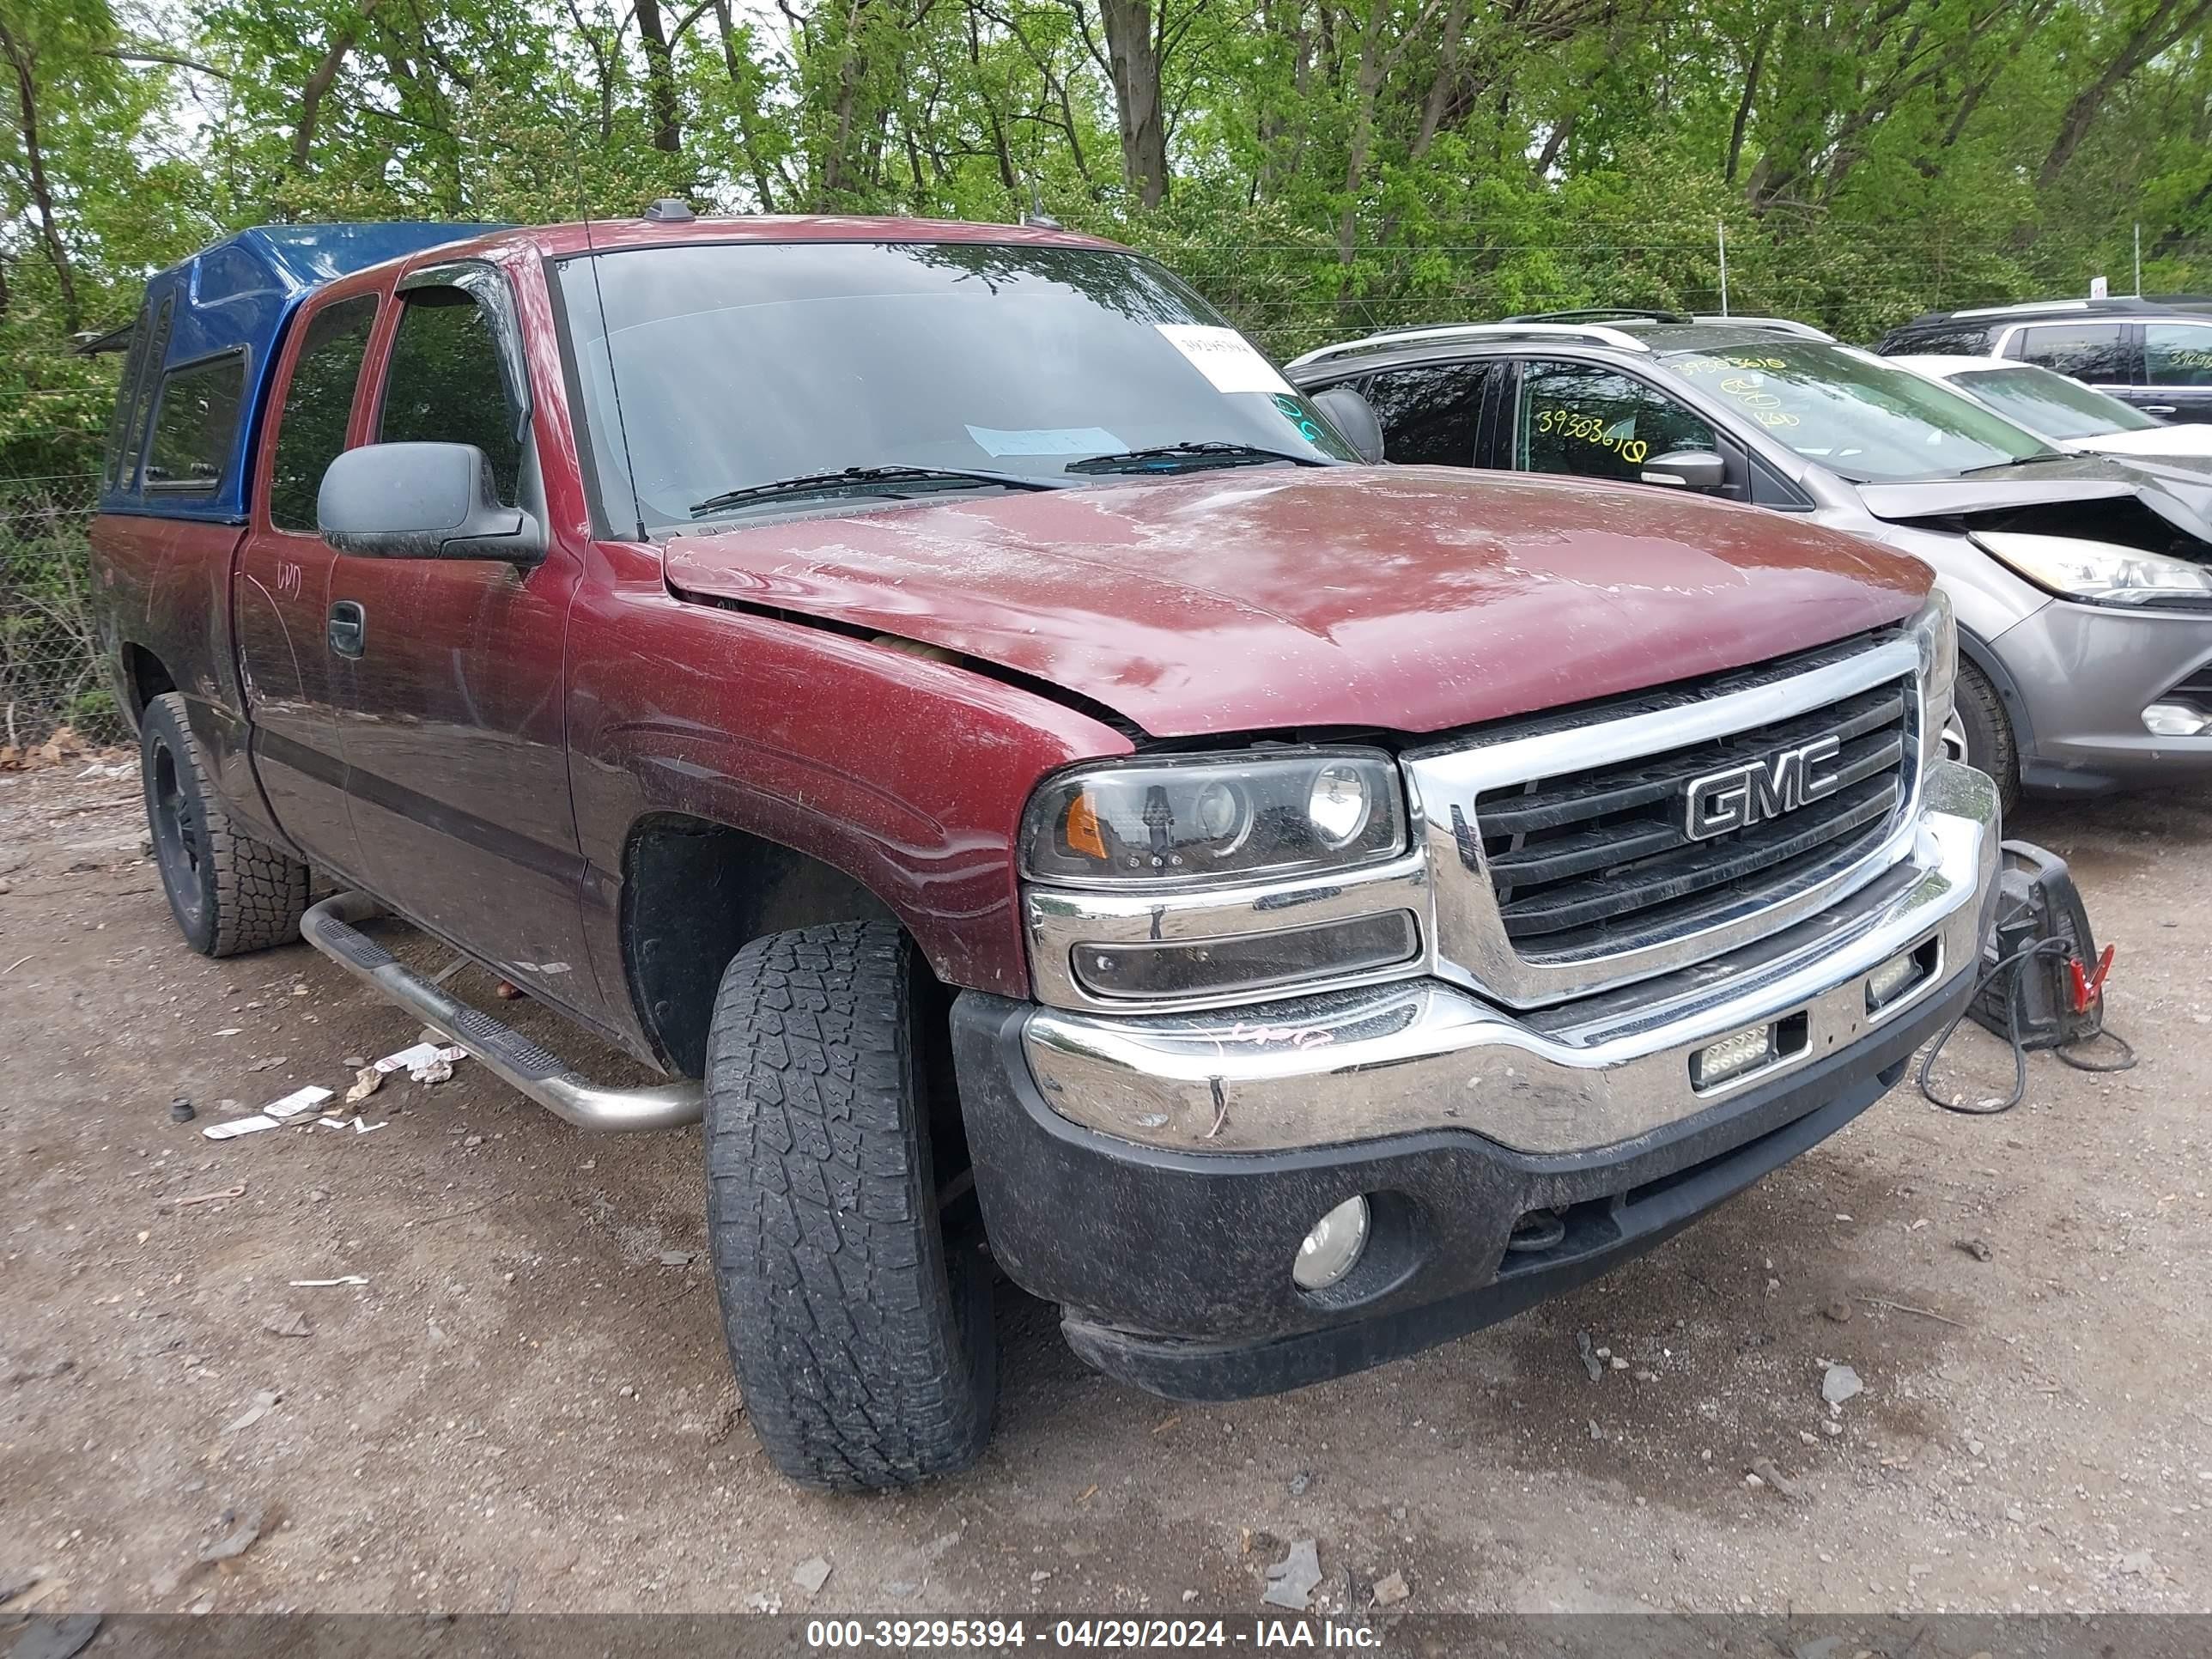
(2043, 400)
(1868, 420)
(758, 379)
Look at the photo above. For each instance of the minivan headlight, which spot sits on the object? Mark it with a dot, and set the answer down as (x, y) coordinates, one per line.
(1935, 631)
(2100, 573)
(1194, 818)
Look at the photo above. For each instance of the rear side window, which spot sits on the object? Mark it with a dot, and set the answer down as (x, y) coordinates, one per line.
(444, 383)
(2087, 351)
(1947, 339)
(1593, 423)
(2178, 354)
(1430, 415)
(142, 367)
(126, 387)
(195, 424)
(318, 406)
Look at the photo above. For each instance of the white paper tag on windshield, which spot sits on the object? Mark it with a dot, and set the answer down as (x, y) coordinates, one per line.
(1054, 441)
(1224, 357)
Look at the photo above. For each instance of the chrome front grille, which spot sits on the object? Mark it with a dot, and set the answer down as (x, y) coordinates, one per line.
(1577, 860)
(1563, 849)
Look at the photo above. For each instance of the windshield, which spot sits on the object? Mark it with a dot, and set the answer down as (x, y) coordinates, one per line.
(1869, 420)
(745, 364)
(2045, 401)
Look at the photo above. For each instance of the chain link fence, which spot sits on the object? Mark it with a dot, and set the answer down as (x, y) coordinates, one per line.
(49, 677)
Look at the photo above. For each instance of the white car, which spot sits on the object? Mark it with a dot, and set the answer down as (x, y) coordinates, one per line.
(2064, 412)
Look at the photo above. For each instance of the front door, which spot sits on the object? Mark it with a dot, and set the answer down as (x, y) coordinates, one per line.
(279, 590)
(451, 716)
(1589, 420)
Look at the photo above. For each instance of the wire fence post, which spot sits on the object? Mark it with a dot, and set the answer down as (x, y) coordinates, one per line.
(1720, 229)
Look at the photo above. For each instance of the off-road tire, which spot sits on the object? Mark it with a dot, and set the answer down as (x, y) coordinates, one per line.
(229, 893)
(862, 1340)
(1989, 746)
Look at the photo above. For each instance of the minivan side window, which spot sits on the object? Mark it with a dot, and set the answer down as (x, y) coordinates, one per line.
(317, 407)
(2096, 352)
(1588, 421)
(1430, 413)
(444, 383)
(2178, 354)
(195, 422)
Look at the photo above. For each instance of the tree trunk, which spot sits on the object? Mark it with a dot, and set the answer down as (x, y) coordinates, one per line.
(852, 70)
(1133, 62)
(1367, 81)
(2170, 20)
(659, 78)
(1440, 90)
(1744, 104)
(741, 84)
(319, 85)
(35, 163)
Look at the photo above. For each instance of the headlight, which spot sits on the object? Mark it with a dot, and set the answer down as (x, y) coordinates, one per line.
(1936, 633)
(2102, 572)
(1224, 817)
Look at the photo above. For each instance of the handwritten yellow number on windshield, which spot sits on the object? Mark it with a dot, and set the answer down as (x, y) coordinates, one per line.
(1590, 429)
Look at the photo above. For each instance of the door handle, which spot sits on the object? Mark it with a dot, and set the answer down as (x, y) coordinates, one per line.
(349, 629)
(2160, 409)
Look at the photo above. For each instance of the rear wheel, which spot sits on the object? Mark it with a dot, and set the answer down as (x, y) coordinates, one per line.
(229, 893)
(1980, 735)
(860, 1329)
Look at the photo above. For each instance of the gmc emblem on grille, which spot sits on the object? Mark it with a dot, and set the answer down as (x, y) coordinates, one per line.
(1743, 795)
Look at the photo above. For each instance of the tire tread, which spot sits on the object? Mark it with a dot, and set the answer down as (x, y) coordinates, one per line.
(866, 1359)
(259, 892)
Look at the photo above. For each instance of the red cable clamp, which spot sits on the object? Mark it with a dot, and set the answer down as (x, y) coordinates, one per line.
(2088, 988)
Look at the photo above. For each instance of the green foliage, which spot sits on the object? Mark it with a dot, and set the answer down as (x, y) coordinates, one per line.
(1334, 165)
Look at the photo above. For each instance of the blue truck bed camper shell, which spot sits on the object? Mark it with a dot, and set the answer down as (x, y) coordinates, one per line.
(219, 317)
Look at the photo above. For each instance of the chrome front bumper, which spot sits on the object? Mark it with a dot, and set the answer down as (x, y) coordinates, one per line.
(1356, 1064)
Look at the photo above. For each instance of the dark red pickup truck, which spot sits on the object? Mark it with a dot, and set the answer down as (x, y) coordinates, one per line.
(936, 695)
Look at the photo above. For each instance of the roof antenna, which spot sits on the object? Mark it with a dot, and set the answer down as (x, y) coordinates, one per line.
(606, 338)
(1034, 214)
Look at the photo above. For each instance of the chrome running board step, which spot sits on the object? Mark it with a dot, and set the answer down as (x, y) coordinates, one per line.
(331, 927)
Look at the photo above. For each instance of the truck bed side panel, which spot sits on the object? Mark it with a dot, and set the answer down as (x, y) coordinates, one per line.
(164, 588)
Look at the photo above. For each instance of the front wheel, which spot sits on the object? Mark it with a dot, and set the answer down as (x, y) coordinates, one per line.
(229, 893)
(861, 1331)
(1980, 735)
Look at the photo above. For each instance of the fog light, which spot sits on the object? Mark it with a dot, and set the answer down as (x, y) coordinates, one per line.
(1890, 980)
(1732, 1056)
(2175, 719)
(1333, 1248)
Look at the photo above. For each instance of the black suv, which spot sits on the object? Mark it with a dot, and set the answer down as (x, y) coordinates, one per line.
(2153, 352)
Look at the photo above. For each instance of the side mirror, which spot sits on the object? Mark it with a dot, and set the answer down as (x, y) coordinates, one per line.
(1686, 469)
(1355, 420)
(422, 501)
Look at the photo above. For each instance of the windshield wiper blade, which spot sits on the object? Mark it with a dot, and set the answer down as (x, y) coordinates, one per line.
(1162, 458)
(867, 477)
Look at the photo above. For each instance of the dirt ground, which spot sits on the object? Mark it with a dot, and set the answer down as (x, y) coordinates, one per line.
(527, 1405)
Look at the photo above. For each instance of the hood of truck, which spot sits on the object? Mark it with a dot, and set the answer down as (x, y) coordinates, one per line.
(1408, 598)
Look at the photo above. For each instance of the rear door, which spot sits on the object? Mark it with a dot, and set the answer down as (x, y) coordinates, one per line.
(1431, 413)
(2105, 354)
(2177, 372)
(452, 679)
(280, 590)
